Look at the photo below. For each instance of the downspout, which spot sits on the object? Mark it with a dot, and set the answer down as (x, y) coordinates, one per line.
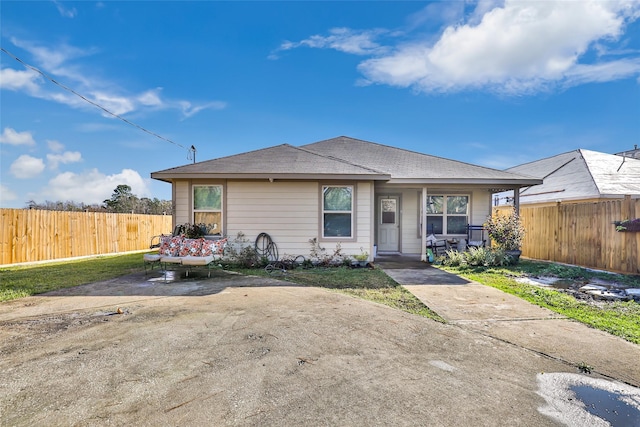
(423, 221)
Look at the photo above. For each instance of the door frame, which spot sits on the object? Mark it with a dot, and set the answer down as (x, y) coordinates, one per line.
(378, 218)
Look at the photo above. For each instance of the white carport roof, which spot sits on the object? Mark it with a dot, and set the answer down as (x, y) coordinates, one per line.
(581, 174)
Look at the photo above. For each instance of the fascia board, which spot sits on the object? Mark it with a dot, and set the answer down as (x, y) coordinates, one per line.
(468, 181)
(169, 177)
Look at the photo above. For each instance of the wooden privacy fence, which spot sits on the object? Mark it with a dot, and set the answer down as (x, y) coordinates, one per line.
(582, 234)
(40, 235)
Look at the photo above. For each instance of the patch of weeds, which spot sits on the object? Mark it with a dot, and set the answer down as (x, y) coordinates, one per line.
(584, 368)
(319, 255)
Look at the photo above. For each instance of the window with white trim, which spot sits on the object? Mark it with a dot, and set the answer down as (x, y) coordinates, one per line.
(447, 214)
(337, 211)
(207, 207)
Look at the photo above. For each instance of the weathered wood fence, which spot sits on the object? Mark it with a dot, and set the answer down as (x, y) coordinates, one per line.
(38, 235)
(583, 234)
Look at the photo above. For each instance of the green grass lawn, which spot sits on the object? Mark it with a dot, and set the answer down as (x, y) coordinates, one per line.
(618, 318)
(22, 281)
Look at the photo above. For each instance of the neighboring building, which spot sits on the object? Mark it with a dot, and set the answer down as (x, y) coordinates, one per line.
(578, 176)
(340, 190)
(635, 153)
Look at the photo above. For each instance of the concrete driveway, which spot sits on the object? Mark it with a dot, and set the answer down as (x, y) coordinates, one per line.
(234, 350)
(491, 312)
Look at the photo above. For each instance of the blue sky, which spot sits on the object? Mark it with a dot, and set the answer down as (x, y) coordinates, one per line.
(495, 83)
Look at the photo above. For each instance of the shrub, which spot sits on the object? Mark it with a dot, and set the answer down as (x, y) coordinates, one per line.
(499, 258)
(505, 231)
(477, 257)
(319, 256)
(453, 258)
(239, 252)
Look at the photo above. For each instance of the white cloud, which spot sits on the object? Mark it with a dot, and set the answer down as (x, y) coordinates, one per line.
(53, 59)
(604, 72)
(518, 48)
(341, 39)
(65, 12)
(189, 110)
(62, 63)
(64, 158)
(93, 186)
(436, 13)
(116, 104)
(10, 136)
(55, 146)
(6, 195)
(25, 80)
(26, 166)
(150, 97)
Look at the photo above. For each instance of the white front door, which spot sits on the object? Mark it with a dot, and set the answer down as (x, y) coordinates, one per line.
(388, 223)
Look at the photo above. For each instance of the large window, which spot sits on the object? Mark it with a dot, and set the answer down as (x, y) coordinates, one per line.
(447, 214)
(207, 207)
(337, 211)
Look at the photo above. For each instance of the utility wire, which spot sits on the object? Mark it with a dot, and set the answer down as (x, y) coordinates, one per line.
(52, 80)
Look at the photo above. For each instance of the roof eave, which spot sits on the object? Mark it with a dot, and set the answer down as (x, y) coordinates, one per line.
(469, 181)
(170, 177)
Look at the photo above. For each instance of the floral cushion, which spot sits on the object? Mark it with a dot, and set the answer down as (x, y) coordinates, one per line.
(164, 248)
(190, 247)
(170, 246)
(213, 247)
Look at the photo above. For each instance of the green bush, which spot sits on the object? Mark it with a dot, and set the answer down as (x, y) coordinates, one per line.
(453, 258)
(506, 231)
(477, 257)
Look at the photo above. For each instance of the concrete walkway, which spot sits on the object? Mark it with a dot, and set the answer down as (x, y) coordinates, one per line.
(491, 312)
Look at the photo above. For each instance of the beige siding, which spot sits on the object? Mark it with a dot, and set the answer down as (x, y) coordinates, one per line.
(480, 206)
(411, 241)
(364, 221)
(288, 212)
(183, 202)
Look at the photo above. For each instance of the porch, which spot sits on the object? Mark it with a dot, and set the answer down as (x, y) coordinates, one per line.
(407, 219)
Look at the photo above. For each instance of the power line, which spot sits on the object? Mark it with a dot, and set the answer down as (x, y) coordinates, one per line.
(95, 104)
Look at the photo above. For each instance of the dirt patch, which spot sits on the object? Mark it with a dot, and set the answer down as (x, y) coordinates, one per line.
(249, 351)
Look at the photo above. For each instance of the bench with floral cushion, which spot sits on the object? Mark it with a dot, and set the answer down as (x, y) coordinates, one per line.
(181, 252)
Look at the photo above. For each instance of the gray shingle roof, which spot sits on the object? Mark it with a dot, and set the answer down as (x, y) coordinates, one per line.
(281, 161)
(344, 158)
(405, 165)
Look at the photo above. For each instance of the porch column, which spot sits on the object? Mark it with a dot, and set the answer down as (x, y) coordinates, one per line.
(516, 200)
(423, 221)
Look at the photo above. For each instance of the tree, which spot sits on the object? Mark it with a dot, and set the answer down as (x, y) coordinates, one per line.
(122, 200)
(153, 206)
(68, 206)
